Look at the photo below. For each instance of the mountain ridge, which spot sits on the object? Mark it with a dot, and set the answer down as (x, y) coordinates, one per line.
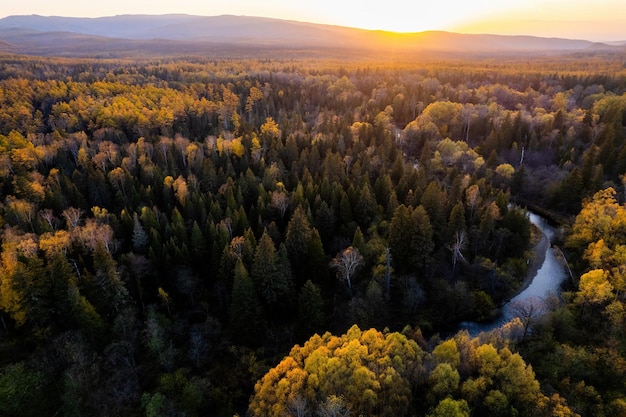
(51, 35)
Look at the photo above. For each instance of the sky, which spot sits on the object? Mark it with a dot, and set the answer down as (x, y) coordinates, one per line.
(596, 20)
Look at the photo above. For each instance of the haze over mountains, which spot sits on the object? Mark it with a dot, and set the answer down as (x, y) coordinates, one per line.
(187, 34)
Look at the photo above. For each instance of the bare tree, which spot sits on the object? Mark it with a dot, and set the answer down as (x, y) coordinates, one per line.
(298, 407)
(460, 241)
(346, 263)
(348, 162)
(72, 216)
(198, 345)
(181, 144)
(528, 310)
(281, 202)
(49, 217)
(165, 145)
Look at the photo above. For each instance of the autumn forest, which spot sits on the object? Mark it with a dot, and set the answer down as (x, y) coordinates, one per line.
(302, 237)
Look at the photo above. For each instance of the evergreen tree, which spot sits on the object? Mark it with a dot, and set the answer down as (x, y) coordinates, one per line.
(316, 261)
(410, 239)
(297, 242)
(270, 281)
(246, 321)
(400, 240)
(310, 309)
(140, 237)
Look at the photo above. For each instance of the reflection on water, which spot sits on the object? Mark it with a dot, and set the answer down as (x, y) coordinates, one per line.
(545, 283)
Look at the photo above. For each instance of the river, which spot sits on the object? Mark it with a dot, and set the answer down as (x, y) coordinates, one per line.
(547, 281)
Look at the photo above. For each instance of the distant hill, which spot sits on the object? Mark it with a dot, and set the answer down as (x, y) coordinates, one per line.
(186, 34)
(5, 47)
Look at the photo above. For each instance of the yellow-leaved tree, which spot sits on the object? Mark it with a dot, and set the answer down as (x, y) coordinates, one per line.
(389, 374)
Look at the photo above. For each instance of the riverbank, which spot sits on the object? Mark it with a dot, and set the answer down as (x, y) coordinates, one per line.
(544, 275)
(537, 259)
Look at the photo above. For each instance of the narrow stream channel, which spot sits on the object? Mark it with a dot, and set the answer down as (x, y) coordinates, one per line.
(545, 283)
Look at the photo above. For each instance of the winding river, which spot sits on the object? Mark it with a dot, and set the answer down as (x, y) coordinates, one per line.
(546, 282)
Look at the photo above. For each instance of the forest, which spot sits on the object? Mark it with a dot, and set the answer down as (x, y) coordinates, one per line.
(302, 237)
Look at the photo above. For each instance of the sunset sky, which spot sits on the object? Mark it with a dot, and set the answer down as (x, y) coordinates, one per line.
(597, 20)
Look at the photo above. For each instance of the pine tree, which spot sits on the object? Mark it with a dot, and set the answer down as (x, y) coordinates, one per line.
(140, 237)
(297, 242)
(270, 281)
(310, 309)
(246, 320)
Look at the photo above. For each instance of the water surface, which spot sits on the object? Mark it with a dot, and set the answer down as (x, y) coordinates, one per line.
(546, 282)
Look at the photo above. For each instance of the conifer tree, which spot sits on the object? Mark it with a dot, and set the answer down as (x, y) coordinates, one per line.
(297, 242)
(270, 281)
(245, 314)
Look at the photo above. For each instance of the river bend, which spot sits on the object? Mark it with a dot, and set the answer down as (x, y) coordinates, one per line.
(546, 282)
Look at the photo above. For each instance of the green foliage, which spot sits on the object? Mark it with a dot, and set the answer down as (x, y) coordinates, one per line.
(411, 239)
(310, 309)
(297, 241)
(245, 314)
(23, 391)
(272, 282)
(450, 408)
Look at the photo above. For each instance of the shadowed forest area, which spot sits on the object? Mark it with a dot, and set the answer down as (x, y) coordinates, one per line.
(210, 237)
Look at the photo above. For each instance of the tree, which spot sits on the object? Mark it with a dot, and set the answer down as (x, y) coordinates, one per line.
(346, 263)
(457, 228)
(449, 407)
(228, 109)
(165, 146)
(472, 199)
(358, 241)
(370, 372)
(400, 239)
(444, 380)
(106, 289)
(433, 200)
(254, 96)
(245, 313)
(594, 220)
(270, 133)
(366, 207)
(281, 202)
(23, 391)
(140, 237)
(316, 263)
(297, 240)
(458, 244)
(268, 277)
(421, 238)
(594, 288)
(325, 223)
(410, 239)
(517, 381)
(310, 309)
(158, 340)
(334, 406)
(528, 310)
(25, 291)
(57, 242)
(456, 223)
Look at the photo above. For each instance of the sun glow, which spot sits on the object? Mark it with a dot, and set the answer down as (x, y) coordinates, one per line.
(589, 19)
(396, 15)
(574, 20)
